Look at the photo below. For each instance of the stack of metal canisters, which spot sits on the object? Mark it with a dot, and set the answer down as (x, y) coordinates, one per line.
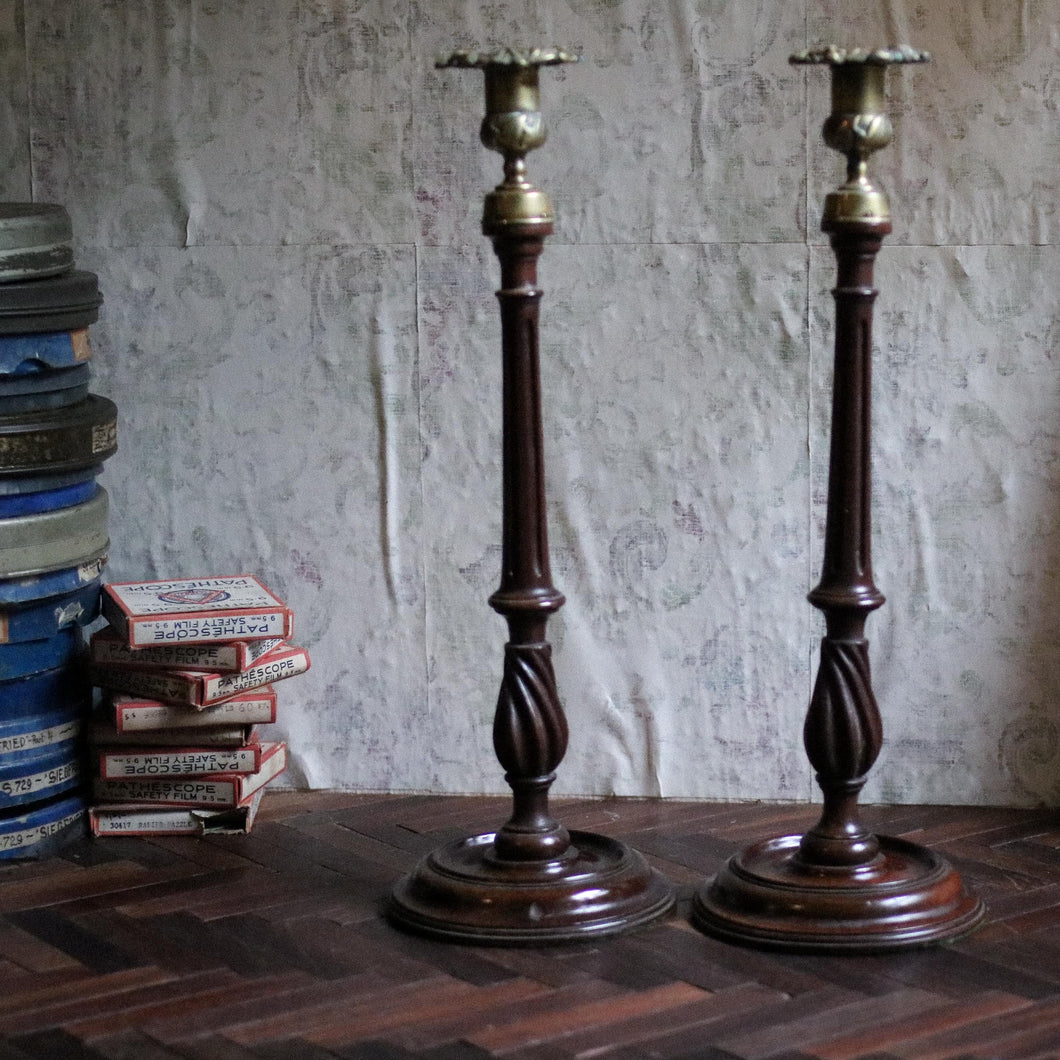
(54, 437)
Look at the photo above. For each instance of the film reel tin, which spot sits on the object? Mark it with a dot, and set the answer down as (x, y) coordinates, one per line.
(37, 587)
(46, 500)
(66, 688)
(47, 541)
(35, 241)
(43, 389)
(35, 731)
(24, 658)
(40, 619)
(18, 485)
(48, 349)
(38, 775)
(60, 303)
(41, 380)
(56, 440)
(42, 830)
(50, 399)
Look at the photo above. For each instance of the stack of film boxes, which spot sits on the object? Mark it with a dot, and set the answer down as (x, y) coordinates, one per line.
(187, 669)
(54, 437)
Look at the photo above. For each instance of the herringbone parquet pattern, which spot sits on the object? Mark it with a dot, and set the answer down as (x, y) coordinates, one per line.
(272, 946)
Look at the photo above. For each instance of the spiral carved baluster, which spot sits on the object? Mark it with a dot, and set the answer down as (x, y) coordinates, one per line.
(529, 731)
(532, 881)
(839, 888)
(530, 738)
(843, 735)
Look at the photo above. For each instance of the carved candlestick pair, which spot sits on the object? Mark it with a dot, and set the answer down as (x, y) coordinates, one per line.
(836, 888)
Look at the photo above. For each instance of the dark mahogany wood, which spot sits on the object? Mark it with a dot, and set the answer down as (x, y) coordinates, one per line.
(843, 732)
(531, 881)
(839, 887)
(529, 728)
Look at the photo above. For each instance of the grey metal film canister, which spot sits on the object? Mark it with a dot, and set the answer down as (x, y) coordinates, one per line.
(35, 241)
(34, 544)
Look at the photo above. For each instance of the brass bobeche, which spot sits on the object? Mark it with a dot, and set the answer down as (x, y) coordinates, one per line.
(513, 126)
(474, 59)
(858, 126)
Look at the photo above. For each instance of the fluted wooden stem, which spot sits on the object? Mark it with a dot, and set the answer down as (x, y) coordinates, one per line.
(529, 728)
(843, 732)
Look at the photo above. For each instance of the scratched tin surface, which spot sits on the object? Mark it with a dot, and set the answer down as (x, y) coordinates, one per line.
(39, 619)
(54, 440)
(29, 589)
(35, 241)
(55, 539)
(41, 380)
(50, 349)
(23, 658)
(41, 830)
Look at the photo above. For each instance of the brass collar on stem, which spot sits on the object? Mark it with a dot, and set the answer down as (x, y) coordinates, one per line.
(857, 126)
(513, 126)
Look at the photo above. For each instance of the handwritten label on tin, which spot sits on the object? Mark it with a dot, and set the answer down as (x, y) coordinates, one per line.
(28, 837)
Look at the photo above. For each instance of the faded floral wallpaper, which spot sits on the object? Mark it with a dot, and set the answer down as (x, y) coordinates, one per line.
(282, 200)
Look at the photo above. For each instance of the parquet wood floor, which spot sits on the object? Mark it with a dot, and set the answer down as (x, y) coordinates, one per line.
(272, 947)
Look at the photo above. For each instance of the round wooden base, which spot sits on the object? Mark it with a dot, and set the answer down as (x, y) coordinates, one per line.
(464, 893)
(906, 896)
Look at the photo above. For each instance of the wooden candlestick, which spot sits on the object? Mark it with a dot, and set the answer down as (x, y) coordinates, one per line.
(532, 881)
(839, 888)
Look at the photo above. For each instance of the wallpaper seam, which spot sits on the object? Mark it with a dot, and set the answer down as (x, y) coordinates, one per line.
(809, 647)
(29, 102)
(423, 557)
(808, 654)
(417, 245)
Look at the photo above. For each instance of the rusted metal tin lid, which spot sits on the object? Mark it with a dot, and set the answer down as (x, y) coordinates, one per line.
(54, 440)
(35, 241)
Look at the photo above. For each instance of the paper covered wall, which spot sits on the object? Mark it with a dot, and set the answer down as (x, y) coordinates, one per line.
(282, 200)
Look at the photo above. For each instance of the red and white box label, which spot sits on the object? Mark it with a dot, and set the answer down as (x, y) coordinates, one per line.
(108, 648)
(195, 611)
